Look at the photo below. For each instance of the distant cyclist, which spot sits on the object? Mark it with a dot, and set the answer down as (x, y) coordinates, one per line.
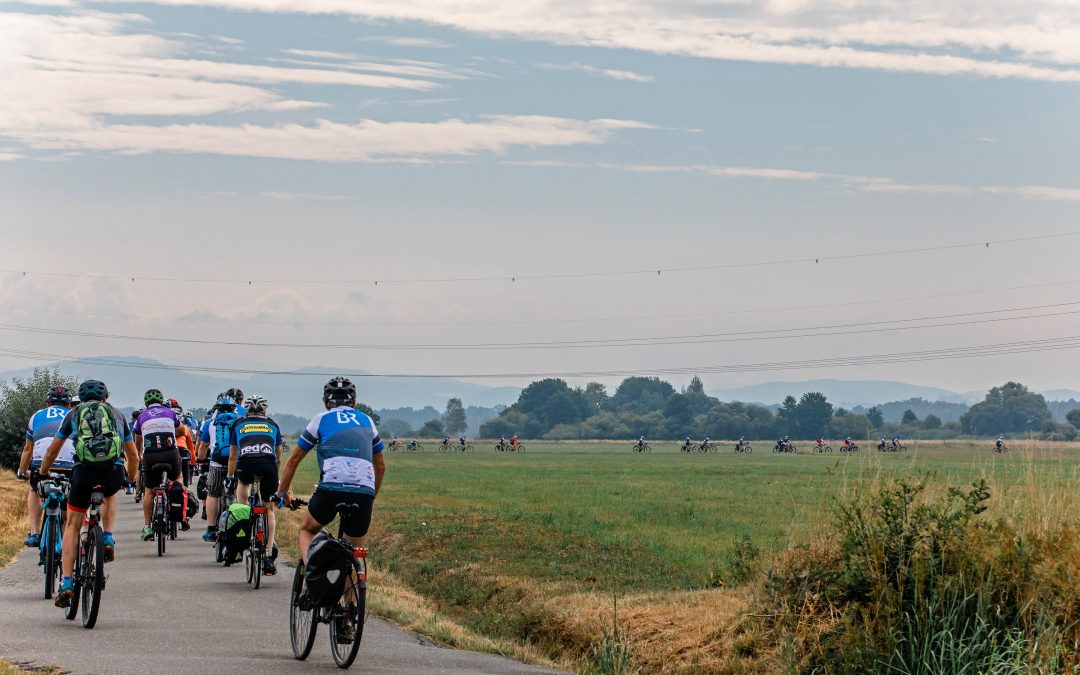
(351, 465)
(255, 446)
(847, 442)
(102, 441)
(39, 434)
(412, 443)
(820, 442)
(513, 442)
(214, 437)
(895, 442)
(445, 442)
(641, 442)
(1000, 443)
(461, 442)
(705, 443)
(155, 437)
(185, 443)
(687, 442)
(881, 443)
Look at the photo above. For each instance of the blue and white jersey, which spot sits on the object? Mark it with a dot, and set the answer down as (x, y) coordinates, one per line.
(345, 442)
(217, 431)
(40, 431)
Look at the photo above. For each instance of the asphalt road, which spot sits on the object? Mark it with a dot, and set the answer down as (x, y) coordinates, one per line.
(184, 613)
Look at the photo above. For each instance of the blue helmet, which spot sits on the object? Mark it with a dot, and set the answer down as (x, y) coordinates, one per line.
(225, 399)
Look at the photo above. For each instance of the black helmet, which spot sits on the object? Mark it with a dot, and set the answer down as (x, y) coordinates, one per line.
(236, 394)
(61, 395)
(93, 390)
(135, 415)
(339, 391)
(153, 396)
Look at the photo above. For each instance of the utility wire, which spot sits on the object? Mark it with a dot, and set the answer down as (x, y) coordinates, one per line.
(514, 277)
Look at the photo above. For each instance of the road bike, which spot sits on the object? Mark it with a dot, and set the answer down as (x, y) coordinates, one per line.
(53, 492)
(786, 447)
(822, 448)
(849, 448)
(345, 618)
(88, 577)
(687, 447)
(462, 448)
(641, 447)
(707, 447)
(160, 519)
(743, 448)
(255, 554)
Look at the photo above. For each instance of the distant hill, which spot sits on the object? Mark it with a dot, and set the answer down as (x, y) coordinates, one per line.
(894, 410)
(846, 393)
(298, 394)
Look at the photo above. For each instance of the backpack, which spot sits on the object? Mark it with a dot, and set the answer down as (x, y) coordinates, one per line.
(177, 494)
(235, 526)
(222, 423)
(96, 437)
(329, 561)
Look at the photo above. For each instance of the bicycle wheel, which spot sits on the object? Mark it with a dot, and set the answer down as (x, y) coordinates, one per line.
(646, 448)
(159, 534)
(748, 449)
(48, 540)
(347, 624)
(259, 530)
(444, 448)
(520, 447)
(302, 622)
(94, 576)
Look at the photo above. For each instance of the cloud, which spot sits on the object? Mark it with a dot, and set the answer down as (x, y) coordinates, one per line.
(407, 41)
(593, 71)
(870, 184)
(6, 156)
(348, 61)
(365, 141)
(1038, 39)
(304, 196)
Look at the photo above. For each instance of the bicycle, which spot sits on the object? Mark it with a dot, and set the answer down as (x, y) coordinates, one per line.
(160, 520)
(641, 447)
(255, 554)
(1002, 450)
(849, 448)
(822, 448)
(88, 577)
(345, 619)
(444, 447)
(687, 447)
(743, 448)
(394, 446)
(463, 448)
(227, 499)
(53, 492)
(414, 447)
(707, 447)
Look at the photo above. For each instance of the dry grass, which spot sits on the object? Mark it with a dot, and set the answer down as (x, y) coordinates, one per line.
(12, 516)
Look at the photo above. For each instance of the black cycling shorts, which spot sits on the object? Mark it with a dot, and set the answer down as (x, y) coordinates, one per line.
(322, 505)
(267, 472)
(85, 478)
(170, 456)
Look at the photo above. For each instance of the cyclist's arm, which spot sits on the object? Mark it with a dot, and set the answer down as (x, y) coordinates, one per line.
(295, 458)
(50, 455)
(380, 469)
(27, 456)
(200, 451)
(132, 456)
(233, 452)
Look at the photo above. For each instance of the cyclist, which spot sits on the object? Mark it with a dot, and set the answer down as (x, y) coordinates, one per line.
(881, 443)
(461, 441)
(502, 443)
(780, 443)
(847, 442)
(687, 442)
(820, 442)
(705, 443)
(351, 465)
(412, 443)
(214, 448)
(513, 442)
(393, 441)
(39, 434)
(185, 443)
(896, 441)
(255, 446)
(155, 437)
(445, 442)
(640, 442)
(1000, 443)
(742, 442)
(102, 441)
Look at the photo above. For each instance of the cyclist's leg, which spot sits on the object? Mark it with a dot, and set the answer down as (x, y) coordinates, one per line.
(147, 483)
(309, 527)
(33, 508)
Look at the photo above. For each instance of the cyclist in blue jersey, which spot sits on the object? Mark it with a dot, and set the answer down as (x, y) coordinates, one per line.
(446, 442)
(39, 434)
(214, 437)
(351, 465)
(255, 447)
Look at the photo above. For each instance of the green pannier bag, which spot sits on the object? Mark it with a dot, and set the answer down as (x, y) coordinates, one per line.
(96, 437)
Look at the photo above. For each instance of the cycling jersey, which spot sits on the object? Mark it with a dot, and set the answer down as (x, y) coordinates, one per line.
(40, 431)
(345, 441)
(67, 428)
(256, 438)
(217, 435)
(157, 425)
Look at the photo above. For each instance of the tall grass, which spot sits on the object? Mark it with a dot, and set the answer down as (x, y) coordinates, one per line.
(12, 516)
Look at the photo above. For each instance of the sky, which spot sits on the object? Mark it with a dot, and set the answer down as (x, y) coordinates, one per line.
(484, 160)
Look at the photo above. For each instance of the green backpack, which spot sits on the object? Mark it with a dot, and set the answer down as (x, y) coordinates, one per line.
(96, 437)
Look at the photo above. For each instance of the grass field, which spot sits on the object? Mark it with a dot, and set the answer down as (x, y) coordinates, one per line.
(533, 547)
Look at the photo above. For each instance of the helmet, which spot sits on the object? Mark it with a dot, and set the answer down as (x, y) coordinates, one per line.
(153, 396)
(60, 395)
(225, 399)
(172, 403)
(135, 414)
(93, 390)
(236, 394)
(256, 404)
(340, 390)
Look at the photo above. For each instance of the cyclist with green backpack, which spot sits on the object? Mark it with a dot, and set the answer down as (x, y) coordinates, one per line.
(102, 441)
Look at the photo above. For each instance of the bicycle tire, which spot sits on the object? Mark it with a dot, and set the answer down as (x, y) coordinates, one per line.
(72, 610)
(302, 624)
(343, 656)
(48, 538)
(748, 449)
(444, 448)
(219, 550)
(159, 534)
(172, 529)
(95, 576)
(520, 447)
(259, 528)
(712, 447)
(646, 448)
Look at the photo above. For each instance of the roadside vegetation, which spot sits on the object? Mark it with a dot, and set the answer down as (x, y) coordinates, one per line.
(12, 516)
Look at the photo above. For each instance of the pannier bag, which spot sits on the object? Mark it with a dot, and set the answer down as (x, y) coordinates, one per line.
(192, 504)
(235, 526)
(328, 566)
(179, 508)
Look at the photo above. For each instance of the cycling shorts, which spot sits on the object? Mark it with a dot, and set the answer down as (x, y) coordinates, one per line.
(169, 456)
(86, 477)
(322, 505)
(215, 482)
(267, 473)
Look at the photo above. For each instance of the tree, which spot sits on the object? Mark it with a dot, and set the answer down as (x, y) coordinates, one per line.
(876, 417)
(788, 414)
(678, 414)
(909, 417)
(931, 422)
(596, 396)
(813, 414)
(431, 429)
(21, 399)
(695, 387)
(454, 418)
(396, 427)
(641, 395)
(369, 411)
(1011, 407)
(1073, 416)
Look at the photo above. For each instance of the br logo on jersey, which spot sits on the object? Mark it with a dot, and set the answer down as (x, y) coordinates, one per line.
(344, 417)
(54, 413)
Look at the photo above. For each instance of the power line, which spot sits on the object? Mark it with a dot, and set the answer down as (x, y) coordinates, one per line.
(969, 352)
(701, 338)
(158, 318)
(514, 277)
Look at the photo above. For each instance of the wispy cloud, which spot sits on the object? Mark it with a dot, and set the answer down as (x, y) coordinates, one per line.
(6, 156)
(407, 41)
(593, 71)
(304, 196)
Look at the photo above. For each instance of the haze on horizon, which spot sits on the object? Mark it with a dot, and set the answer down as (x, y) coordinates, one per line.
(307, 142)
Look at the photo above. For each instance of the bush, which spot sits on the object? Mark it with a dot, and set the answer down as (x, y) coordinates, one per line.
(21, 399)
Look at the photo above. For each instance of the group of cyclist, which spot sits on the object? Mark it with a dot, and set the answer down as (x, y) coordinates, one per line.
(90, 444)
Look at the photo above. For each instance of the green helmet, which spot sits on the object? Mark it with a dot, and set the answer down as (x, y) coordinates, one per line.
(153, 396)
